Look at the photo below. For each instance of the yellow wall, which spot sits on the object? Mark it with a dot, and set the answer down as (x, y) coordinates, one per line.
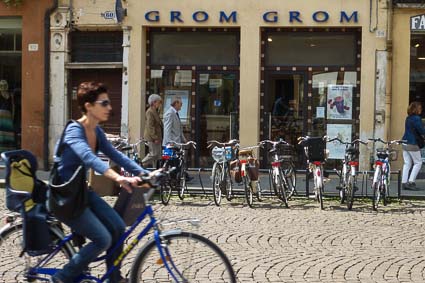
(250, 20)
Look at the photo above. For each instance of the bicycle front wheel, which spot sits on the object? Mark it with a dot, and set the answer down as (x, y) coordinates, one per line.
(248, 191)
(182, 186)
(191, 258)
(376, 195)
(291, 180)
(165, 192)
(217, 174)
(350, 193)
(16, 268)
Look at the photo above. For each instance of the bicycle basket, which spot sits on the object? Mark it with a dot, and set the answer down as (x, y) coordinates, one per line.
(218, 154)
(316, 149)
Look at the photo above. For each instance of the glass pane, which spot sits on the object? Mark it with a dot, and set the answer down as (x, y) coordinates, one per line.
(310, 49)
(216, 104)
(194, 48)
(417, 69)
(7, 41)
(169, 83)
(285, 103)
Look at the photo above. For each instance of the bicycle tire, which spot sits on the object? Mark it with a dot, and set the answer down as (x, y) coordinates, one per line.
(350, 193)
(248, 191)
(217, 173)
(318, 190)
(15, 267)
(258, 191)
(181, 182)
(229, 184)
(282, 186)
(165, 193)
(291, 180)
(376, 195)
(197, 259)
(384, 194)
(273, 180)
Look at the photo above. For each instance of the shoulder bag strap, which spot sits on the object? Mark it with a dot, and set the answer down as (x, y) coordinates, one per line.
(60, 146)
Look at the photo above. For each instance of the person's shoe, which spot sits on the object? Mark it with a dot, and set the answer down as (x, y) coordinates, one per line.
(408, 186)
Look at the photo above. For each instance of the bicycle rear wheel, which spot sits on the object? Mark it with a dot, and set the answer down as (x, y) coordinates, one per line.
(273, 180)
(191, 257)
(15, 268)
(217, 174)
(282, 187)
(181, 182)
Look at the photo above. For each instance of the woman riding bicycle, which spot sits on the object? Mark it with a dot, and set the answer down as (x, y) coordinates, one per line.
(99, 222)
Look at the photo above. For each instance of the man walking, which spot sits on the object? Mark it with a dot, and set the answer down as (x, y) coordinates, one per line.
(153, 131)
(173, 129)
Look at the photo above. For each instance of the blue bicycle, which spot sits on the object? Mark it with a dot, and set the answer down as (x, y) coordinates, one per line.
(170, 256)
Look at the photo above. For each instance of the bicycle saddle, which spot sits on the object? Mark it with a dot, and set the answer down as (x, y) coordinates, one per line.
(245, 152)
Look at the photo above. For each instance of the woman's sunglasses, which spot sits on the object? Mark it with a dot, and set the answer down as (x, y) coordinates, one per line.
(104, 103)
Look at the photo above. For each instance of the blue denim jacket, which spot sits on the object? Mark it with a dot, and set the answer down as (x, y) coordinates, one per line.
(77, 152)
(412, 121)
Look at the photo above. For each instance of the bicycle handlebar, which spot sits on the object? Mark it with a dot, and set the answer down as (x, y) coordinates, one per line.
(305, 138)
(273, 143)
(388, 142)
(182, 145)
(232, 142)
(356, 141)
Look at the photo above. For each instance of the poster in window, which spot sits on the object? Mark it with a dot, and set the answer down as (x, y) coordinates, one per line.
(341, 131)
(184, 96)
(340, 102)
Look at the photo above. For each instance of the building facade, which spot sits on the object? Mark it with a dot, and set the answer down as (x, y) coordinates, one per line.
(24, 76)
(248, 69)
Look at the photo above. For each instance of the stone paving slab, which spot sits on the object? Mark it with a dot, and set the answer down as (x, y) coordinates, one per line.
(270, 243)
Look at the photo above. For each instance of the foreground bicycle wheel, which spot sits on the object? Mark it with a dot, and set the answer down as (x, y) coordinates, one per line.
(192, 258)
(217, 174)
(15, 267)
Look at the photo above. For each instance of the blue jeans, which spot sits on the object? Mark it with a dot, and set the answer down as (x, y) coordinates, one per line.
(101, 224)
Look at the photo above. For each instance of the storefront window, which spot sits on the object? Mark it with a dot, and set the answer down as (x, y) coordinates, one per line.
(10, 83)
(310, 49)
(194, 48)
(417, 68)
(171, 83)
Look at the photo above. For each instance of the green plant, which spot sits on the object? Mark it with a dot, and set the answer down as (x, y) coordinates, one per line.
(12, 2)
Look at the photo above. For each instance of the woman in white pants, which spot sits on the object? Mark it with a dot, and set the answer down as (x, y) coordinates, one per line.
(411, 151)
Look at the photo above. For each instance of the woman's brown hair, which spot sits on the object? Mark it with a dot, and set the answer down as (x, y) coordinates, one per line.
(88, 92)
(413, 108)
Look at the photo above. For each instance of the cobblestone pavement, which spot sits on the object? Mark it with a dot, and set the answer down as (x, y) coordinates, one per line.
(303, 244)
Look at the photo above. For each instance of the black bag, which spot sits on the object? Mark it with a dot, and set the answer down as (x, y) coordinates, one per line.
(130, 205)
(67, 200)
(418, 137)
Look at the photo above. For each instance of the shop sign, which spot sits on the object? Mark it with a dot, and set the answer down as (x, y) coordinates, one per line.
(268, 17)
(417, 23)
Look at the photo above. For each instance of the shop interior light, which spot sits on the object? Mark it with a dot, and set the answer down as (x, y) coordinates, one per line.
(417, 45)
(421, 58)
(269, 39)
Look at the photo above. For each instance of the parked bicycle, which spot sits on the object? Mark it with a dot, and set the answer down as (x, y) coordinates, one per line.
(282, 173)
(170, 256)
(174, 155)
(223, 154)
(348, 172)
(382, 174)
(315, 151)
(249, 173)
